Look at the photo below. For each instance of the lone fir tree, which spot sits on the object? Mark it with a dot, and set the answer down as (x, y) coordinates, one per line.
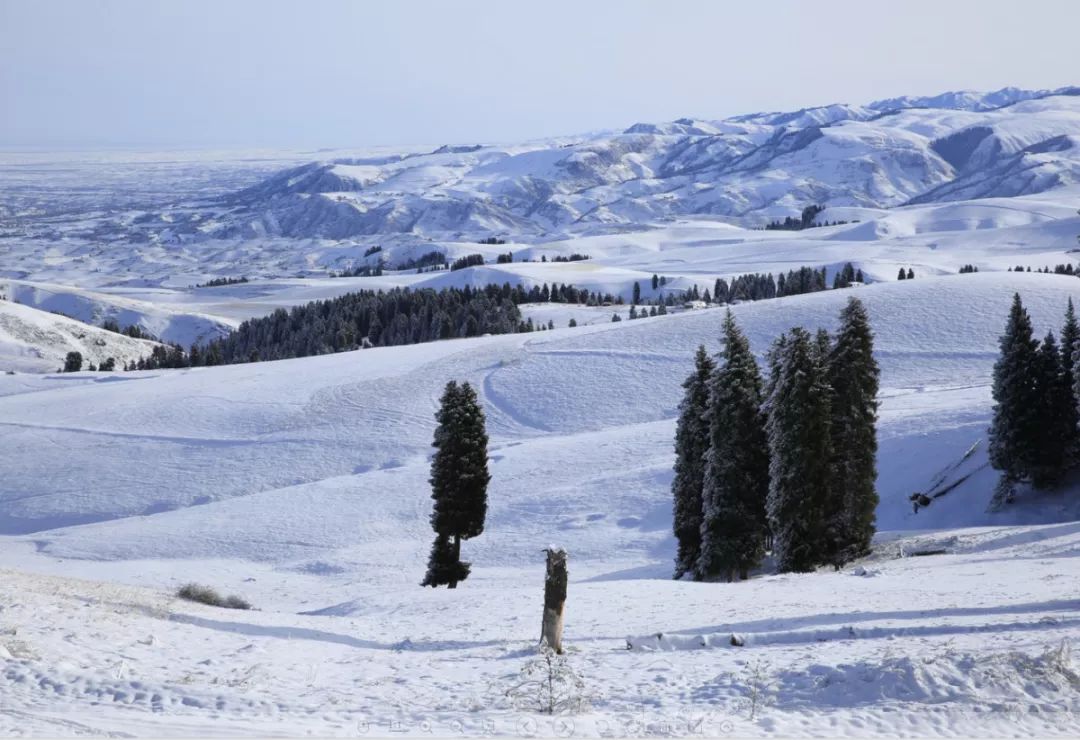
(459, 479)
(691, 441)
(736, 479)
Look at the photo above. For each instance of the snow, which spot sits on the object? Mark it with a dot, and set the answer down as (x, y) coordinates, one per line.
(36, 341)
(301, 485)
(310, 499)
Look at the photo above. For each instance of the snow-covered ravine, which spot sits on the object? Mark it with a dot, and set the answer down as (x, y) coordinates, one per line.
(302, 486)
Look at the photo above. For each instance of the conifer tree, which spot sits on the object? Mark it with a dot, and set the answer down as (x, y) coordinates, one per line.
(854, 378)
(1014, 430)
(1054, 397)
(902, 275)
(691, 441)
(459, 479)
(1070, 347)
(798, 428)
(637, 292)
(736, 480)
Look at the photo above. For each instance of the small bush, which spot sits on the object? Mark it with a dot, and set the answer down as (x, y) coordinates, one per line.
(210, 597)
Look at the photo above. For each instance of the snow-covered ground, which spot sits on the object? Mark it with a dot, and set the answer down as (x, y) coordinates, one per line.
(301, 485)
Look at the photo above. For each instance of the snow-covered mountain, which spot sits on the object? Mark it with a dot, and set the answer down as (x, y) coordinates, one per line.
(749, 168)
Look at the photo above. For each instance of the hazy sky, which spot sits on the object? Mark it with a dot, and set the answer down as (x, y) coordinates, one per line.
(243, 73)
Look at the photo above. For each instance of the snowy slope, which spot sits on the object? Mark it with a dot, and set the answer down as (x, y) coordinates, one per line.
(302, 485)
(37, 341)
(166, 323)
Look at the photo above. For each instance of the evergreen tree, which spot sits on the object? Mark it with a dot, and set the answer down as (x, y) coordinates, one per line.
(691, 440)
(910, 274)
(1052, 445)
(1070, 347)
(736, 475)
(854, 378)
(637, 292)
(73, 362)
(799, 436)
(1014, 430)
(902, 275)
(459, 479)
(655, 281)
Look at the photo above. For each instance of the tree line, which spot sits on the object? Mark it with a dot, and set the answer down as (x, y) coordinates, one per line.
(787, 463)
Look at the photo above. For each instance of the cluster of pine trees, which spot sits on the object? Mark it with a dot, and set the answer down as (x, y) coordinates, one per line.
(908, 274)
(469, 260)
(787, 464)
(1067, 269)
(222, 281)
(1034, 434)
(847, 275)
(375, 318)
(425, 262)
(761, 286)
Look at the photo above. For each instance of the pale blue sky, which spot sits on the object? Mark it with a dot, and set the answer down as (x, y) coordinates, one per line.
(241, 73)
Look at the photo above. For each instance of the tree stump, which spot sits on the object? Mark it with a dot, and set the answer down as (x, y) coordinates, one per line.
(554, 599)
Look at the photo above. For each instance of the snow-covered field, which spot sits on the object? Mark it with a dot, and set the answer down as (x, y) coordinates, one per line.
(301, 485)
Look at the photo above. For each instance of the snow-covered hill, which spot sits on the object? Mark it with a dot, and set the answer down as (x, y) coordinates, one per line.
(752, 168)
(38, 341)
(302, 485)
(167, 323)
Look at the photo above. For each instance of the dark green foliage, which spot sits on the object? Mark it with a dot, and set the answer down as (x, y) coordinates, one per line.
(1055, 399)
(395, 317)
(691, 441)
(210, 597)
(73, 362)
(910, 274)
(902, 275)
(967, 269)
(1070, 355)
(433, 259)
(1014, 431)
(736, 471)
(799, 433)
(471, 260)
(504, 259)
(459, 480)
(845, 277)
(806, 220)
(655, 282)
(108, 365)
(803, 280)
(444, 564)
(637, 292)
(854, 377)
(222, 281)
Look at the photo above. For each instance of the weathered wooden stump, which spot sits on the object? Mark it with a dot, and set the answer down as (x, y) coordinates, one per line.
(554, 599)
